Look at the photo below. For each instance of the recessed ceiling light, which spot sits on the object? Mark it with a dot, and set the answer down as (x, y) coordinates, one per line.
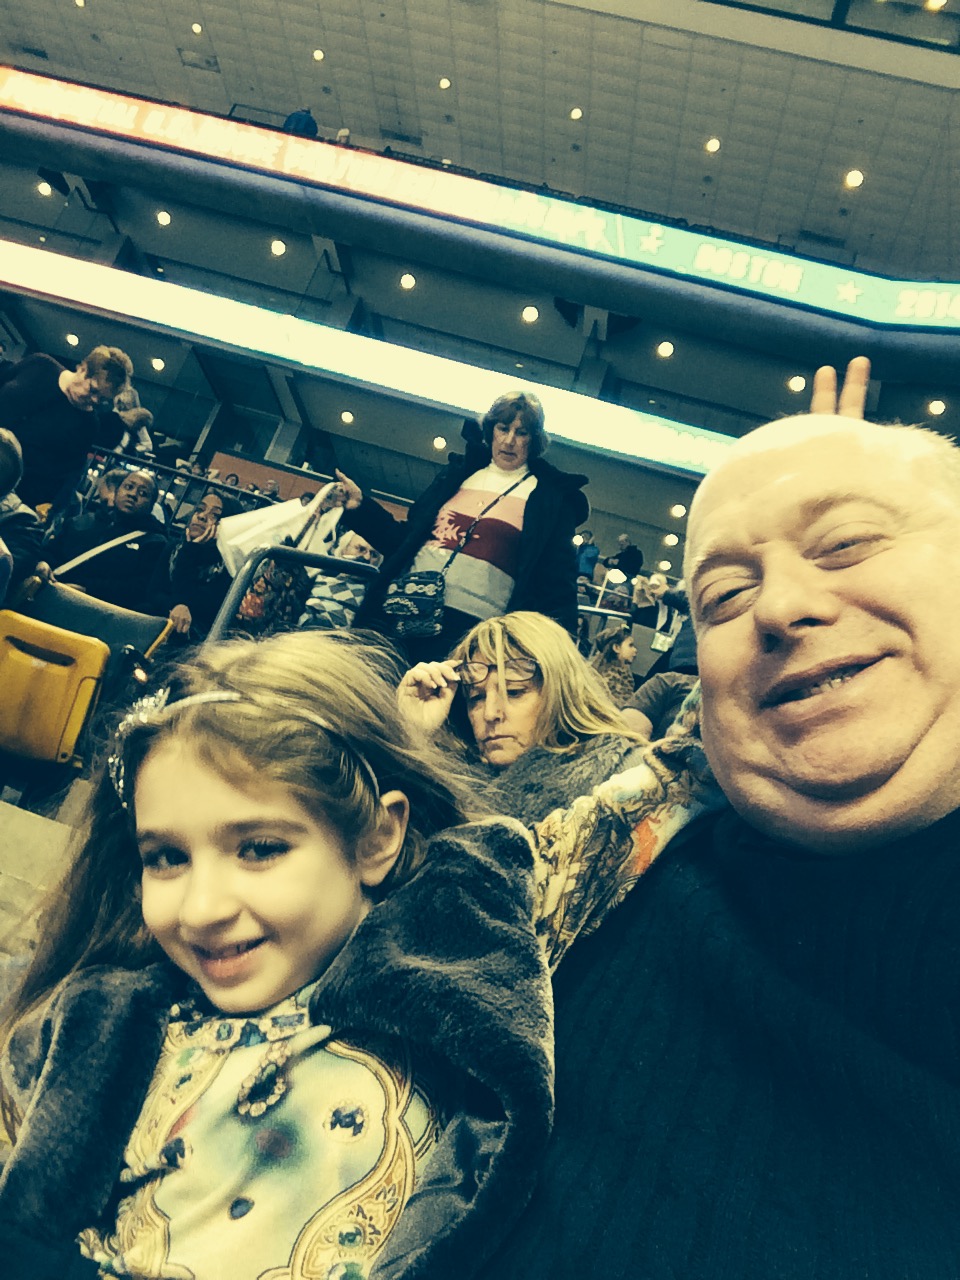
(444, 82)
(159, 271)
(670, 539)
(79, 3)
(278, 248)
(576, 113)
(45, 188)
(664, 566)
(678, 511)
(439, 442)
(665, 350)
(158, 364)
(318, 55)
(42, 239)
(529, 315)
(197, 29)
(935, 5)
(163, 218)
(797, 383)
(578, 539)
(518, 365)
(73, 340)
(936, 407)
(853, 179)
(712, 145)
(408, 281)
(346, 417)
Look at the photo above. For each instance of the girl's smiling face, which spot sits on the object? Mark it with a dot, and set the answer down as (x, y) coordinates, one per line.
(246, 891)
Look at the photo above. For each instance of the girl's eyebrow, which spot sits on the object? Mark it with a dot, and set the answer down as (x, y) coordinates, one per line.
(227, 830)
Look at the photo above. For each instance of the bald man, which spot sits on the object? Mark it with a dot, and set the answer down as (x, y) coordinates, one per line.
(758, 1053)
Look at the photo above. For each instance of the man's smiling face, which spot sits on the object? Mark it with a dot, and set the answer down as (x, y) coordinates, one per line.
(824, 567)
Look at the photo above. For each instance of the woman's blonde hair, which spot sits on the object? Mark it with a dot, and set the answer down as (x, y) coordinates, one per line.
(576, 704)
(314, 712)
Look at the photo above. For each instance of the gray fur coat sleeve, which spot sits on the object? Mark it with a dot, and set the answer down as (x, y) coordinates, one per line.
(449, 961)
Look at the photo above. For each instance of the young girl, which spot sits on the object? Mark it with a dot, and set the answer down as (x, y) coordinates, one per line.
(275, 1026)
(613, 659)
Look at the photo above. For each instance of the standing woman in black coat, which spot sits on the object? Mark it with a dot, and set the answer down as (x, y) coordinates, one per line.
(518, 511)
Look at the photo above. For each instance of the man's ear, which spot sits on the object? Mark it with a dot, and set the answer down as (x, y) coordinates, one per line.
(381, 847)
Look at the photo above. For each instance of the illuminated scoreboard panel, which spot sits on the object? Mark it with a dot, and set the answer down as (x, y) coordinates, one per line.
(621, 238)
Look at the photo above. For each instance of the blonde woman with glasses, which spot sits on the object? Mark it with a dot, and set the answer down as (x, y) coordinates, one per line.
(517, 698)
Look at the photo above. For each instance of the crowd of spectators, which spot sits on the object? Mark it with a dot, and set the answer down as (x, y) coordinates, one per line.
(497, 523)
(755, 1046)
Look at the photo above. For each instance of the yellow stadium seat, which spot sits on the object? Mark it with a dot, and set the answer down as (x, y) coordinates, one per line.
(50, 680)
(53, 667)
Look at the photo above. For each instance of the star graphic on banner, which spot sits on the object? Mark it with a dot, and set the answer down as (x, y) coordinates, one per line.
(848, 293)
(652, 242)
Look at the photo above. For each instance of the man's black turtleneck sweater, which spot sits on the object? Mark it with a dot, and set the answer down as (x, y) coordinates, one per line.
(758, 1071)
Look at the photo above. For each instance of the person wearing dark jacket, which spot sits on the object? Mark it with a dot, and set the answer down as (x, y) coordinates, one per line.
(123, 574)
(301, 123)
(757, 1050)
(628, 557)
(21, 532)
(58, 415)
(518, 515)
(192, 582)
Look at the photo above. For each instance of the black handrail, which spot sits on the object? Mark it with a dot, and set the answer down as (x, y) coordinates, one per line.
(169, 477)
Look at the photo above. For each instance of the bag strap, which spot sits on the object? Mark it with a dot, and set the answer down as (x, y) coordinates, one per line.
(98, 551)
(465, 536)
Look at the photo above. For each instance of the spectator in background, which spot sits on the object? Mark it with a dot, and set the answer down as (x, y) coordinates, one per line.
(656, 704)
(192, 582)
(106, 488)
(136, 437)
(307, 497)
(232, 479)
(656, 605)
(536, 722)
(628, 558)
(588, 553)
(137, 421)
(301, 123)
(335, 597)
(58, 415)
(20, 529)
(123, 573)
(682, 655)
(615, 654)
(512, 513)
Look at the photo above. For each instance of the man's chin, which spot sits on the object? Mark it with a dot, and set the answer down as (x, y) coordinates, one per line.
(839, 790)
(838, 814)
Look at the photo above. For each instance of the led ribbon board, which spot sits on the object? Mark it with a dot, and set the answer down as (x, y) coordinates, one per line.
(350, 357)
(617, 237)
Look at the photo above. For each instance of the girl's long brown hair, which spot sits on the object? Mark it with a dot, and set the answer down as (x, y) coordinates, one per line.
(267, 736)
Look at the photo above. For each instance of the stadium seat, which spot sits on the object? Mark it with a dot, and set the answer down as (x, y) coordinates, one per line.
(57, 652)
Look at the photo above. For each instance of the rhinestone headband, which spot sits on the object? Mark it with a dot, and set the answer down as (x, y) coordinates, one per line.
(153, 709)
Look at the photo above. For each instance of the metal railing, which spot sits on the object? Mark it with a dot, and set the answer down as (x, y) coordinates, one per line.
(247, 574)
(180, 490)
